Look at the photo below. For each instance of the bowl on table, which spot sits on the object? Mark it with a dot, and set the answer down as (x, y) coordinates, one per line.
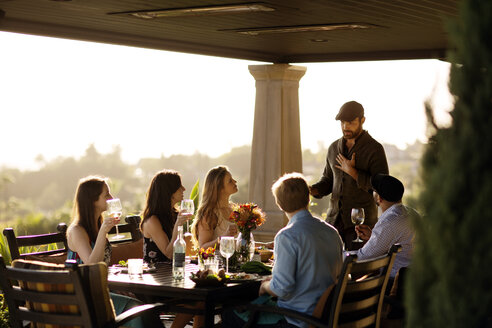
(207, 278)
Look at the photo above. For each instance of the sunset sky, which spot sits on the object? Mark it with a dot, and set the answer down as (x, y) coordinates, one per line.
(58, 96)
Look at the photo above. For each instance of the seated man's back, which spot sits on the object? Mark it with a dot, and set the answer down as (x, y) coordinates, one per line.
(308, 255)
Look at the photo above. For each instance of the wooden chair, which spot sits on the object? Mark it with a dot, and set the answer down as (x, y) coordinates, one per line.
(355, 301)
(126, 248)
(22, 243)
(40, 294)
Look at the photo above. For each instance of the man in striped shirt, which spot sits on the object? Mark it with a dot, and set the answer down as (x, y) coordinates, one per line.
(394, 225)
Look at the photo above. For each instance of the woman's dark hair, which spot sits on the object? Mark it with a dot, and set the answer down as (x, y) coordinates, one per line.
(88, 192)
(162, 187)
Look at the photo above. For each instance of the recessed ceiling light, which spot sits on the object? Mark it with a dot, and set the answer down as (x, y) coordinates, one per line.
(198, 11)
(302, 28)
(319, 40)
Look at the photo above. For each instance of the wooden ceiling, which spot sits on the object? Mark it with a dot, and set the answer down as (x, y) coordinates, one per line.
(398, 29)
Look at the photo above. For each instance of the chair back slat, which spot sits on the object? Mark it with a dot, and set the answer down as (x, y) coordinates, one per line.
(52, 319)
(370, 265)
(44, 239)
(47, 298)
(360, 304)
(29, 241)
(366, 284)
(39, 276)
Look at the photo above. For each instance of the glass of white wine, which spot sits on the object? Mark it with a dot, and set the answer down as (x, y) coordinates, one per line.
(114, 211)
(227, 248)
(187, 207)
(357, 216)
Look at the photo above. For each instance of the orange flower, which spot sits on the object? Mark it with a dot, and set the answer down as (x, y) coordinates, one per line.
(207, 253)
(247, 217)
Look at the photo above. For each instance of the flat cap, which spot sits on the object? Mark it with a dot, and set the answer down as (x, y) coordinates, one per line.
(349, 111)
(388, 187)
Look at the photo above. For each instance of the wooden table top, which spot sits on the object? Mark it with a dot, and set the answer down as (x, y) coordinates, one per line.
(160, 284)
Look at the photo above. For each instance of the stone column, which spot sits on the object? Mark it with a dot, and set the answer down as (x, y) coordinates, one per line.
(276, 147)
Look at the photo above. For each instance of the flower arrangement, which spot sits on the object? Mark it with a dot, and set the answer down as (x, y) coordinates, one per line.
(247, 217)
(208, 253)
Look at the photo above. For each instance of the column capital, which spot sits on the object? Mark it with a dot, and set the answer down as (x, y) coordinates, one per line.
(283, 72)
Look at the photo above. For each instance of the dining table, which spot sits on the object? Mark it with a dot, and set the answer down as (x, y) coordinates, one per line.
(158, 285)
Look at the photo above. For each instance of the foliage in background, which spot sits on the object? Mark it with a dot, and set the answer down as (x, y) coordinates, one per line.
(195, 195)
(4, 313)
(4, 250)
(450, 276)
(36, 201)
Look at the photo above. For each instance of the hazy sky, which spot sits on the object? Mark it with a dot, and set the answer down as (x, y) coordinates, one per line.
(58, 96)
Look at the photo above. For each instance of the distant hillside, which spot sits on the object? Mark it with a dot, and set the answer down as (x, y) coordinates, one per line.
(50, 190)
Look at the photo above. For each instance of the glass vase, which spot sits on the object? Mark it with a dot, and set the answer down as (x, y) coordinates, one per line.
(245, 247)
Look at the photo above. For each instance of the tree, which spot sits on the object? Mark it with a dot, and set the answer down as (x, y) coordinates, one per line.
(449, 282)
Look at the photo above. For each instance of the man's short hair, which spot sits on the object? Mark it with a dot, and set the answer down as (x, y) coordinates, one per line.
(291, 192)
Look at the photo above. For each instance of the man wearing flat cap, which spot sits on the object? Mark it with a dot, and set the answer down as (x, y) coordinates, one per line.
(350, 163)
(393, 227)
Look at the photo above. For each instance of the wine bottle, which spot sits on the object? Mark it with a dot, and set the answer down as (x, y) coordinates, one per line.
(179, 250)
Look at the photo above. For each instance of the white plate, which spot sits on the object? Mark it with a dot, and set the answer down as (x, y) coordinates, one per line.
(242, 276)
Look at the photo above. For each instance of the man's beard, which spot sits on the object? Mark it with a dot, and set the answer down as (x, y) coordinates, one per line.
(347, 134)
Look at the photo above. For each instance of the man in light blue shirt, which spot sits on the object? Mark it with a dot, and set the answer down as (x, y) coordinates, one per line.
(308, 254)
(393, 227)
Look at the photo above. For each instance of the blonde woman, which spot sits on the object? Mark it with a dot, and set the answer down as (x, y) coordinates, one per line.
(211, 221)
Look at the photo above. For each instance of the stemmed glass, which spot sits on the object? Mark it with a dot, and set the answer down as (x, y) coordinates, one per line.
(227, 248)
(114, 211)
(187, 207)
(357, 216)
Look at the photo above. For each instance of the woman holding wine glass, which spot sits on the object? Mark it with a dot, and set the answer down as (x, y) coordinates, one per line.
(87, 233)
(160, 218)
(211, 221)
(87, 238)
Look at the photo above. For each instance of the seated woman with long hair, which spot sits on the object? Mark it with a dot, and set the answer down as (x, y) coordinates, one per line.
(160, 218)
(211, 221)
(160, 224)
(88, 242)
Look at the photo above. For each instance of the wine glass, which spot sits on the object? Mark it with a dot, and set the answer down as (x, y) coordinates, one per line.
(357, 216)
(227, 248)
(114, 211)
(187, 207)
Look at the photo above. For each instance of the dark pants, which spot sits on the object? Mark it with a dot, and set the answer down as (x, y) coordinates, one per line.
(231, 320)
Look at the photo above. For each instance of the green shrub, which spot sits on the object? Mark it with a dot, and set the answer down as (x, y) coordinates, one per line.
(4, 251)
(4, 313)
(449, 283)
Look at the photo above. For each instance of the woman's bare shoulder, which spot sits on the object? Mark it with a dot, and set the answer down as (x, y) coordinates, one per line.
(75, 229)
(76, 235)
(151, 225)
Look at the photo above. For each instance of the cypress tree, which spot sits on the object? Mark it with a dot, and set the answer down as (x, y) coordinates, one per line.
(451, 276)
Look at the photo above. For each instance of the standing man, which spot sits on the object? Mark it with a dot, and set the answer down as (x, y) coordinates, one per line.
(350, 163)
